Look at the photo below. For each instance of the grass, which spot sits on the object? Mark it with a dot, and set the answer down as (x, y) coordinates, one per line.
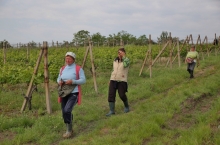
(165, 109)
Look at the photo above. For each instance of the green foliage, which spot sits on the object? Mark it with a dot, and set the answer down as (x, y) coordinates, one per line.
(165, 109)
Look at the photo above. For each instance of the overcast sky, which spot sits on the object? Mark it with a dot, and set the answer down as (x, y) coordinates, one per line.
(46, 20)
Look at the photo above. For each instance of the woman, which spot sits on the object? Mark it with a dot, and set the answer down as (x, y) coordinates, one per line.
(191, 58)
(70, 78)
(118, 81)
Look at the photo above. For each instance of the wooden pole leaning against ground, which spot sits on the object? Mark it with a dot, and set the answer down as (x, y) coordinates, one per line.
(28, 93)
(85, 56)
(93, 67)
(180, 48)
(171, 53)
(158, 55)
(171, 50)
(178, 52)
(46, 77)
(145, 59)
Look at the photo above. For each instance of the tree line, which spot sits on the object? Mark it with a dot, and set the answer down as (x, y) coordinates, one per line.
(81, 39)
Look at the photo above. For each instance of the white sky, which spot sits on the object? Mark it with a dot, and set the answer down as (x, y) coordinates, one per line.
(46, 20)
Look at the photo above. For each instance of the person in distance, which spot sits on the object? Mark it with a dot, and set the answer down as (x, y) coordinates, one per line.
(192, 58)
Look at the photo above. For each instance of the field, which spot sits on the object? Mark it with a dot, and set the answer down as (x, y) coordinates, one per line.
(167, 109)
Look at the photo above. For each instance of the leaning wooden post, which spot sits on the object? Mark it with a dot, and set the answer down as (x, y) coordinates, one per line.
(85, 56)
(171, 50)
(4, 52)
(147, 53)
(150, 55)
(206, 40)
(46, 77)
(178, 51)
(93, 68)
(27, 96)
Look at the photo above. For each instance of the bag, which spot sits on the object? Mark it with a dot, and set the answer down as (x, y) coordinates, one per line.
(189, 60)
(65, 90)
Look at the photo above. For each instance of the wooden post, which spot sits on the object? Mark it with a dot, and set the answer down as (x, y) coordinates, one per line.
(27, 96)
(4, 52)
(158, 55)
(46, 77)
(186, 40)
(93, 68)
(171, 50)
(85, 56)
(215, 44)
(147, 53)
(206, 40)
(150, 54)
(178, 52)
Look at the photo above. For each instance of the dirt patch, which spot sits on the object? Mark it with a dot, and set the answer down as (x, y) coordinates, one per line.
(189, 108)
(6, 135)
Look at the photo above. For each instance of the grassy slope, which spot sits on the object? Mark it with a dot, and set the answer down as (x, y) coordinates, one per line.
(166, 109)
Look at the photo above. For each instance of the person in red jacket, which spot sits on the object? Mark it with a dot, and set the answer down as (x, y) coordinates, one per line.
(118, 81)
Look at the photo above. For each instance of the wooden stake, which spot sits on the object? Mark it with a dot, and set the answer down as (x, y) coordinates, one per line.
(85, 56)
(150, 54)
(171, 50)
(46, 77)
(178, 52)
(144, 63)
(27, 96)
(93, 68)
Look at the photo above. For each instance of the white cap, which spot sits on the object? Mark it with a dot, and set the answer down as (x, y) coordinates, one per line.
(71, 54)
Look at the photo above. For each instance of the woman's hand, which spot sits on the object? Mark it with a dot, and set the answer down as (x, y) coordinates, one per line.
(69, 82)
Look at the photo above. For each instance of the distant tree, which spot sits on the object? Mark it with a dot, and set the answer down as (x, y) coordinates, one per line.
(163, 37)
(6, 43)
(32, 44)
(81, 37)
(98, 39)
(125, 36)
(142, 40)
